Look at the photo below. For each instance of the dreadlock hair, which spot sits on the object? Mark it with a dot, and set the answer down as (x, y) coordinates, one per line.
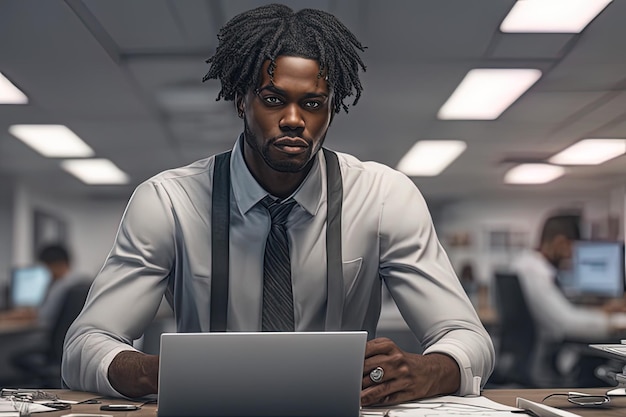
(274, 30)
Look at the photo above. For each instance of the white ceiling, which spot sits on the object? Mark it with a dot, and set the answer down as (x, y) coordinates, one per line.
(125, 75)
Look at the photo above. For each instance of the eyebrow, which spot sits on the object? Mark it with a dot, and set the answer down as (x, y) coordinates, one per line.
(282, 92)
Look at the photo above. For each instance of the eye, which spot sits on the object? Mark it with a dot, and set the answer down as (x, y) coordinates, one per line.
(314, 104)
(272, 100)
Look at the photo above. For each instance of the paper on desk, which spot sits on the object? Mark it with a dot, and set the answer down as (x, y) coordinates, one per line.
(443, 406)
(7, 409)
(21, 407)
(542, 410)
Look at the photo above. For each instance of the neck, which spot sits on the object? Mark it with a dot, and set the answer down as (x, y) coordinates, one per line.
(548, 253)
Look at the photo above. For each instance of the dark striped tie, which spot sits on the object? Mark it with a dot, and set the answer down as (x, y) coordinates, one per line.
(277, 315)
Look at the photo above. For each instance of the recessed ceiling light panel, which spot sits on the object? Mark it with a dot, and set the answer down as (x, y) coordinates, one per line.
(52, 141)
(552, 16)
(485, 93)
(533, 174)
(430, 157)
(95, 171)
(590, 152)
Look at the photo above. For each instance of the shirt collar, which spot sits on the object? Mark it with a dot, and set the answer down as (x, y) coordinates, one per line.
(248, 192)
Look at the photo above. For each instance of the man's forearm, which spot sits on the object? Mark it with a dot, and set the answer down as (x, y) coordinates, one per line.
(134, 374)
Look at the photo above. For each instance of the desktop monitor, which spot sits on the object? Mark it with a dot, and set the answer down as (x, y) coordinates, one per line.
(598, 268)
(29, 286)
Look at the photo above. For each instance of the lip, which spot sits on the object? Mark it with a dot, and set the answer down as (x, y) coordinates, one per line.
(291, 145)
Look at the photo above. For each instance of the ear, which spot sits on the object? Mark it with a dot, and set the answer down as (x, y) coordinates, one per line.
(239, 104)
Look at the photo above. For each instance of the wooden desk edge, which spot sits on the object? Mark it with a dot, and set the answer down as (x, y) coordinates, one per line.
(616, 408)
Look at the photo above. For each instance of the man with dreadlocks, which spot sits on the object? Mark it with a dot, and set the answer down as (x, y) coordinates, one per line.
(198, 233)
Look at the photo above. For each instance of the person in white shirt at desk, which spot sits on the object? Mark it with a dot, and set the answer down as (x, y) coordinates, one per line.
(557, 318)
(288, 74)
(555, 314)
(56, 258)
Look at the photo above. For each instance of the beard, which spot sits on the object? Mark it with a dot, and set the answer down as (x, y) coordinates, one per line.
(282, 165)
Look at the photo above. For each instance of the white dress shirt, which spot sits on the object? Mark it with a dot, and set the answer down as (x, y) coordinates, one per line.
(165, 234)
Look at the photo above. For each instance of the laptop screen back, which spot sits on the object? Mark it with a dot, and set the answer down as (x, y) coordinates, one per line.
(261, 374)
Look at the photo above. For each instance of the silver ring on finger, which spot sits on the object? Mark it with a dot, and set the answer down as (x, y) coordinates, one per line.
(377, 375)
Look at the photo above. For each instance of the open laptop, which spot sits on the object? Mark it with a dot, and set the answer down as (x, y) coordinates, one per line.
(261, 374)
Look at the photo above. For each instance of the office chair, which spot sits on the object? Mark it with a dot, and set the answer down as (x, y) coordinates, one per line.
(517, 336)
(74, 302)
(524, 358)
(43, 365)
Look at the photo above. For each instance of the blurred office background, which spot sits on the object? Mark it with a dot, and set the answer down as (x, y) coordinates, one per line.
(125, 78)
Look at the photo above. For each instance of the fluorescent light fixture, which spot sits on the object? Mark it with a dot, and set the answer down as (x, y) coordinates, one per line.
(485, 93)
(533, 174)
(9, 93)
(590, 152)
(430, 157)
(52, 141)
(95, 171)
(552, 16)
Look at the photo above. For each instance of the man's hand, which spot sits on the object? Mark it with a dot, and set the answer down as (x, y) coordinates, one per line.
(134, 374)
(407, 376)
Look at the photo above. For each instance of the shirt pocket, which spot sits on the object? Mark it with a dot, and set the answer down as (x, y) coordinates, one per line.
(351, 271)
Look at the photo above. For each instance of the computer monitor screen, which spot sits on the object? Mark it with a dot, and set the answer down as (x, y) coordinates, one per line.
(29, 286)
(598, 268)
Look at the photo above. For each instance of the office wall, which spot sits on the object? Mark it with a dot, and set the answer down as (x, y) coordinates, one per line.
(90, 226)
(6, 227)
(94, 225)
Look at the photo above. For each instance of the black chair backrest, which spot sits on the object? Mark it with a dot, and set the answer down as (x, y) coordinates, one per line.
(72, 306)
(518, 334)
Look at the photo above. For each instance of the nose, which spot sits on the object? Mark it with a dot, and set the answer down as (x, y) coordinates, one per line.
(292, 118)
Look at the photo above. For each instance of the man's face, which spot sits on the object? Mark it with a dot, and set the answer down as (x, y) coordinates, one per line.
(561, 251)
(286, 118)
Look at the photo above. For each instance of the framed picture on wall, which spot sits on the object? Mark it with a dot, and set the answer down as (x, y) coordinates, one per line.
(47, 228)
(504, 240)
(498, 239)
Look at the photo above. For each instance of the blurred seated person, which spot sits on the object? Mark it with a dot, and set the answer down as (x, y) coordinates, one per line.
(557, 318)
(56, 258)
(40, 363)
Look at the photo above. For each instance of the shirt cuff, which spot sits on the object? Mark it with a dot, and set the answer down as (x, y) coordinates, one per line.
(468, 386)
(102, 376)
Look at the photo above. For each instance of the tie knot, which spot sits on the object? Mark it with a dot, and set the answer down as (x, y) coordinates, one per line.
(278, 211)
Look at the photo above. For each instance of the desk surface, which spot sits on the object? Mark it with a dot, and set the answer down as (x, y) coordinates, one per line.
(16, 326)
(617, 406)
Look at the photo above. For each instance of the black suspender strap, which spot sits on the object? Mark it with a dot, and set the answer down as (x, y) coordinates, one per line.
(334, 263)
(220, 226)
